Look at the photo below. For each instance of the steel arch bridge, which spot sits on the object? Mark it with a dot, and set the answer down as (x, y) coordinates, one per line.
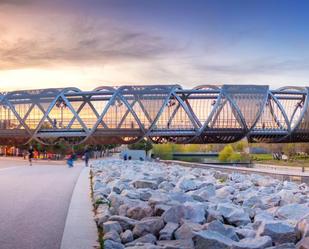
(161, 113)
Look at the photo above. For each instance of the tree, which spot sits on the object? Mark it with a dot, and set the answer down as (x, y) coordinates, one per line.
(226, 153)
(141, 145)
(191, 148)
(163, 151)
(240, 146)
(289, 149)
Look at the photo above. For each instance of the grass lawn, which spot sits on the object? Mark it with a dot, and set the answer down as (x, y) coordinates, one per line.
(268, 159)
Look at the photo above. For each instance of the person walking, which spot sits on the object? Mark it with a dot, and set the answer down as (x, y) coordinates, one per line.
(86, 156)
(70, 159)
(30, 154)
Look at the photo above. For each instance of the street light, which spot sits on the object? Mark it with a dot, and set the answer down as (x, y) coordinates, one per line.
(61, 104)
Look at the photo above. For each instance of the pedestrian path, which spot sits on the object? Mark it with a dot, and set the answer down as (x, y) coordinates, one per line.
(34, 205)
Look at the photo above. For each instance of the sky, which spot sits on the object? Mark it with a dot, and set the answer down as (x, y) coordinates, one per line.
(91, 43)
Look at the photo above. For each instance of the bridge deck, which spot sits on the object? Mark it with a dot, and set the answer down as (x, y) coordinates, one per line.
(205, 114)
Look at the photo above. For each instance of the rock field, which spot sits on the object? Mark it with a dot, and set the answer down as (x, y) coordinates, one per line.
(151, 205)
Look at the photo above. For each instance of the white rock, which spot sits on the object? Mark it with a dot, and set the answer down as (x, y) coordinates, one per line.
(233, 214)
(112, 226)
(147, 225)
(126, 236)
(168, 231)
(188, 183)
(294, 212)
(253, 243)
(280, 232)
(210, 239)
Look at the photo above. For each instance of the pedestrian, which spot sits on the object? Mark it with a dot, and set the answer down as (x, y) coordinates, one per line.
(55, 123)
(86, 156)
(70, 159)
(30, 154)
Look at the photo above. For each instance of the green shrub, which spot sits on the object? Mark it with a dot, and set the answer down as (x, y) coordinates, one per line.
(163, 151)
(226, 153)
(236, 157)
(261, 157)
(141, 145)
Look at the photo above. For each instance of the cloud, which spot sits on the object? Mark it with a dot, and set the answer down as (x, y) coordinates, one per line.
(15, 2)
(83, 43)
(258, 66)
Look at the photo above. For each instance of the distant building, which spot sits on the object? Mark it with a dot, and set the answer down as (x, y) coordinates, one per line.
(258, 150)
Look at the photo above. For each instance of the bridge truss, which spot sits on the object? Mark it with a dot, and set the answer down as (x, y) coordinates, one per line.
(161, 113)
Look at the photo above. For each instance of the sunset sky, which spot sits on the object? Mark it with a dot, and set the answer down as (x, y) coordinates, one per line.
(87, 43)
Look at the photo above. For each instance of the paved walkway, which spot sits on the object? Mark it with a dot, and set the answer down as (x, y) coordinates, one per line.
(34, 203)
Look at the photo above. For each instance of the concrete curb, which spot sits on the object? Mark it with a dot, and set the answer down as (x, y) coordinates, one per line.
(261, 170)
(80, 230)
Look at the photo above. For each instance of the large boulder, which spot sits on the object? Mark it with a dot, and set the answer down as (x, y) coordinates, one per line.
(293, 212)
(131, 194)
(112, 226)
(97, 186)
(139, 212)
(178, 197)
(204, 193)
(253, 202)
(244, 233)
(212, 215)
(253, 243)
(283, 246)
(222, 177)
(126, 236)
(144, 246)
(303, 244)
(227, 231)
(194, 212)
(303, 227)
(174, 214)
(176, 244)
(262, 215)
(145, 184)
(147, 238)
(262, 181)
(187, 183)
(288, 197)
(103, 214)
(279, 231)
(168, 231)
(290, 185)
(187, 230)
(213, 240)
(166, 186)
(147, 225)
(224, 192)
(160, 209)
(118, 186)
(158, 198)
(109, 244)
(116, 200)
(125, 222)
(272, 200)
(112, 235)
(233, 214)
(238, 178)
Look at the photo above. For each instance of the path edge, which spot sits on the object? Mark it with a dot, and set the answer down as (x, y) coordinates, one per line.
(80, 230)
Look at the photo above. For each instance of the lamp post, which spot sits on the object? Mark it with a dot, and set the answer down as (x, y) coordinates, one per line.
(61, 104)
